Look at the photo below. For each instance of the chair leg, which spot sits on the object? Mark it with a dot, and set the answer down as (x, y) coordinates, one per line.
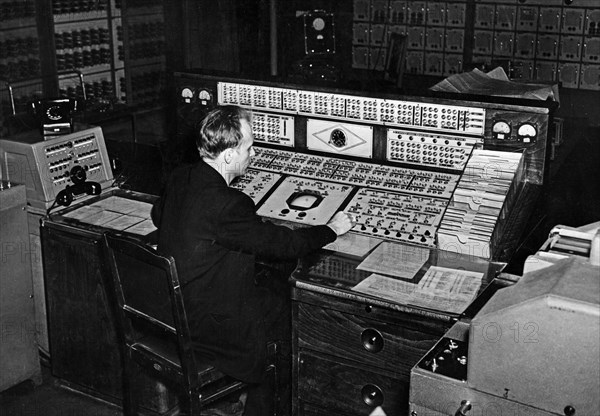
(276, 387)
(130, 407)
(195, 403)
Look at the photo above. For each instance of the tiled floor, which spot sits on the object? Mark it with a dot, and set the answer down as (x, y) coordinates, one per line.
(572, 197)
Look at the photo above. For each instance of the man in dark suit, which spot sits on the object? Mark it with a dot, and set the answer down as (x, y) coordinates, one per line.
(215, 236)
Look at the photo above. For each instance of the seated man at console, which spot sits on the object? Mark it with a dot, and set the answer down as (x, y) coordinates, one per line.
(215, 236)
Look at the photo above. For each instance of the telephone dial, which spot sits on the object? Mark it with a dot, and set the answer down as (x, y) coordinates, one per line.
(79, 187)
(55, 115)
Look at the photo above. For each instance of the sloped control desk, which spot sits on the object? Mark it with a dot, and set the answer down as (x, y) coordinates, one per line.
(353, 351)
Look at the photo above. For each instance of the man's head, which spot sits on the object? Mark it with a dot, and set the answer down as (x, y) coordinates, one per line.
(226, 132)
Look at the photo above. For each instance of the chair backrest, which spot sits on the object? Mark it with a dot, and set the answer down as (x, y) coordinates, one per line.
(148, 296)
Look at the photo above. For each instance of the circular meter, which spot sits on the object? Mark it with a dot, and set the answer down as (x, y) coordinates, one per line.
(501, 130)
(186, 95)
(204, 97)
(527, 133)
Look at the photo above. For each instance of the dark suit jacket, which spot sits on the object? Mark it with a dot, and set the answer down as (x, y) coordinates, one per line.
(214, 235)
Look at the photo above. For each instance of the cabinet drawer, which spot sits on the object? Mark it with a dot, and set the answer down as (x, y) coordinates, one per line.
(343, 388)
(388, 346)
(308, 410)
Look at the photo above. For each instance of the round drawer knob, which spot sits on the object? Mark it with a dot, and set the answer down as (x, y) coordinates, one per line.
(372, 395)
(372, 340)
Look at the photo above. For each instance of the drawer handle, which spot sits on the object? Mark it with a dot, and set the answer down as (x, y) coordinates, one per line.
(372, 340)
(372, 395)
(464, 408)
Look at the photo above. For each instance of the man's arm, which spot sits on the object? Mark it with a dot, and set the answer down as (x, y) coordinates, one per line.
(240, 228)
(341, 223)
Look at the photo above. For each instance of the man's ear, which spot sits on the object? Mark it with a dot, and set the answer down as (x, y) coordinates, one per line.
(227, 155)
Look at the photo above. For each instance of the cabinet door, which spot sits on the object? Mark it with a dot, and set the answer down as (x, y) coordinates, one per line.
(376, 343)
(340, 386)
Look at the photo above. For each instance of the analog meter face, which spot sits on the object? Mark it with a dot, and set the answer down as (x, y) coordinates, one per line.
(186, 95)
(501, 130)
(527, 133)
(204, 97)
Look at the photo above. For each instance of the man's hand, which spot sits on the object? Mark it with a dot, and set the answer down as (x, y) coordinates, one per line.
(341, 223)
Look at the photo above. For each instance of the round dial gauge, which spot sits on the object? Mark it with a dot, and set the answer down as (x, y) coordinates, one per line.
(501, 127)
(501, 130)
(204, 95)
(338, 138)
(526, 133)
(304, 200)
(187, 94)
(318, 24)
(527, 130)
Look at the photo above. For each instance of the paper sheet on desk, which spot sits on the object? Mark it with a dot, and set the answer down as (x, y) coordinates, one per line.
(124, 206)
(396, 260)
(441, 289)
(116, 213)
(387, 288)
(445, 289)
(353, 244)
(497, 83)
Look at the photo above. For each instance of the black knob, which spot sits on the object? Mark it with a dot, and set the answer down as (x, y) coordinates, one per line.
(464, 408)
(569, 411)
(372, 395)
(372, 340)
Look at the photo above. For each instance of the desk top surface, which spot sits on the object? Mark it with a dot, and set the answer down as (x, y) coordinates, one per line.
(425, 281)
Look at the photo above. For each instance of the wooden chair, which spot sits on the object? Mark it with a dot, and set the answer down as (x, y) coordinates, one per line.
(153, 328)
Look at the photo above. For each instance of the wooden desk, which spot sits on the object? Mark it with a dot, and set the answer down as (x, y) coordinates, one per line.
(353, 352)
(83, 342)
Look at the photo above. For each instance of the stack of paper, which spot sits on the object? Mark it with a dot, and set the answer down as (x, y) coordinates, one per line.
(478, 202)
(497, 83)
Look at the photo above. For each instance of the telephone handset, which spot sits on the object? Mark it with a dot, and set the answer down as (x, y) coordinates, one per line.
(79, 187)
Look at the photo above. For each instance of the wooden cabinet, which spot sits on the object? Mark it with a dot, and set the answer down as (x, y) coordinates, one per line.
(83, 341)
(353, 352)
(351, 356)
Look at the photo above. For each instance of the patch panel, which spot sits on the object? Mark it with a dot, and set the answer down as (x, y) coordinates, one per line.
(428, 150)
(256, 184)
(392, 178)
(397, 216)
(273, 128)
(447, 118)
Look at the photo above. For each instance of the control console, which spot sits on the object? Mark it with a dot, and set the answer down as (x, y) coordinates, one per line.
(48, 167)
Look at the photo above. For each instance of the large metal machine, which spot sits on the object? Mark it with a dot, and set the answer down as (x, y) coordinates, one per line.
(433, 171)
(455, 174)
(532, 349)
(56, 171)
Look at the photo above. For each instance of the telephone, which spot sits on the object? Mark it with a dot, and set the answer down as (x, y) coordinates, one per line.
(79, 187)
(55, 115)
